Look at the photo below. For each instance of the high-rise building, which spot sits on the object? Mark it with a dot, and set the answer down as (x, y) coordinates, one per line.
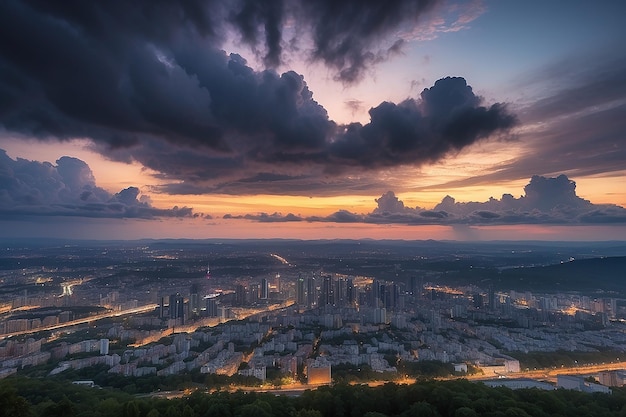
(194, 300)
(240, 295)
(265, 289)
(376, 299)
(277, 283)
(177, 307)
(339, 296)
(211, 307)
(300, 293)
(310, 291)
(413, 285)
(326, 296)
(350, 295)
(162, 308)
(477, 300)
(392, 293)
(254, 293)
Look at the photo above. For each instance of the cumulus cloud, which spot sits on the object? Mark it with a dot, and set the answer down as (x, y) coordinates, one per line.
(148, 81)
(389, 203)
(68, 189)
(545, 201)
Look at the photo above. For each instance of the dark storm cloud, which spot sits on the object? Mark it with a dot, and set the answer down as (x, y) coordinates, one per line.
(261, 18)
(577, 126)
(147, 81)
(346, 33)
(546, 201)
(447, 117)
(68, 189)
(348, 36)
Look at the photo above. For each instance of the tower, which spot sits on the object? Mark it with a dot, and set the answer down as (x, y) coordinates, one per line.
(194, 299)
(310, 291)
(300, 294)
(177, 307)
(240, 295)
(413, 285)
(326, 296)
(211, 307)
(265, 289)
(277, 282)
(339, 296)
(350, 295)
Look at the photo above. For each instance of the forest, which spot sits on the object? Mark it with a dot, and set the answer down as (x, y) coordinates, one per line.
(37, 397)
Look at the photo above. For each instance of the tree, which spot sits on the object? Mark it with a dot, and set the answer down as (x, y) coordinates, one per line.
(131, 409)
(465, 412)
(64, 408)
(11, 404)
(308, 413)
(420, 409)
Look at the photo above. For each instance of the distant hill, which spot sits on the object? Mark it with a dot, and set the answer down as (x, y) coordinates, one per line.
(596, 275)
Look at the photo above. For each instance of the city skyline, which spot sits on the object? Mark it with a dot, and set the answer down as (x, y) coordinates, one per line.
(461, 120)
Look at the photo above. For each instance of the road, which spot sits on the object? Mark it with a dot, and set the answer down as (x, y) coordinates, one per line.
(142, 309)
(553, 372)
(540, 374)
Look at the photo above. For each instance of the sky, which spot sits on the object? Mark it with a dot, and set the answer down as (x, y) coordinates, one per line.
(403, 119)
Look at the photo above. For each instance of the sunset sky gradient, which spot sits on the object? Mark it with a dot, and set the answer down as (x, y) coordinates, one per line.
(437, 119)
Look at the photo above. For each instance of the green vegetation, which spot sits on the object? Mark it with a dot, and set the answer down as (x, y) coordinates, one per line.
(25, 397)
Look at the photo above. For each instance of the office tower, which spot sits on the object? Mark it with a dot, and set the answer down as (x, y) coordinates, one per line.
(300, 293)
(326, 297)
(339, 296)
(177, 307)
(413, 285)
(374, 294)
(194, 299)
(211, 307)
(477, 300)
(350, 295)
(391, 295)
(310, 291)
(162, 314)
(265, 289)
(277, 283)
(240, 295)
(254, 293)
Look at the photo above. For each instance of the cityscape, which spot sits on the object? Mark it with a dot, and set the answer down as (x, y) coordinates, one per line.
(295, 208)
(296, 314)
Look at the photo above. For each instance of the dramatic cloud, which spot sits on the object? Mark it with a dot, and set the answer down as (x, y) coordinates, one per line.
(148, 81)
(546, 201)
(68, 189)
(348, 36)
(577, 126)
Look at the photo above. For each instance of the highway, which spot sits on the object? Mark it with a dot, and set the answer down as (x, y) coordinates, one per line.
(142, 309)
(539, 374)
(551, 373)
